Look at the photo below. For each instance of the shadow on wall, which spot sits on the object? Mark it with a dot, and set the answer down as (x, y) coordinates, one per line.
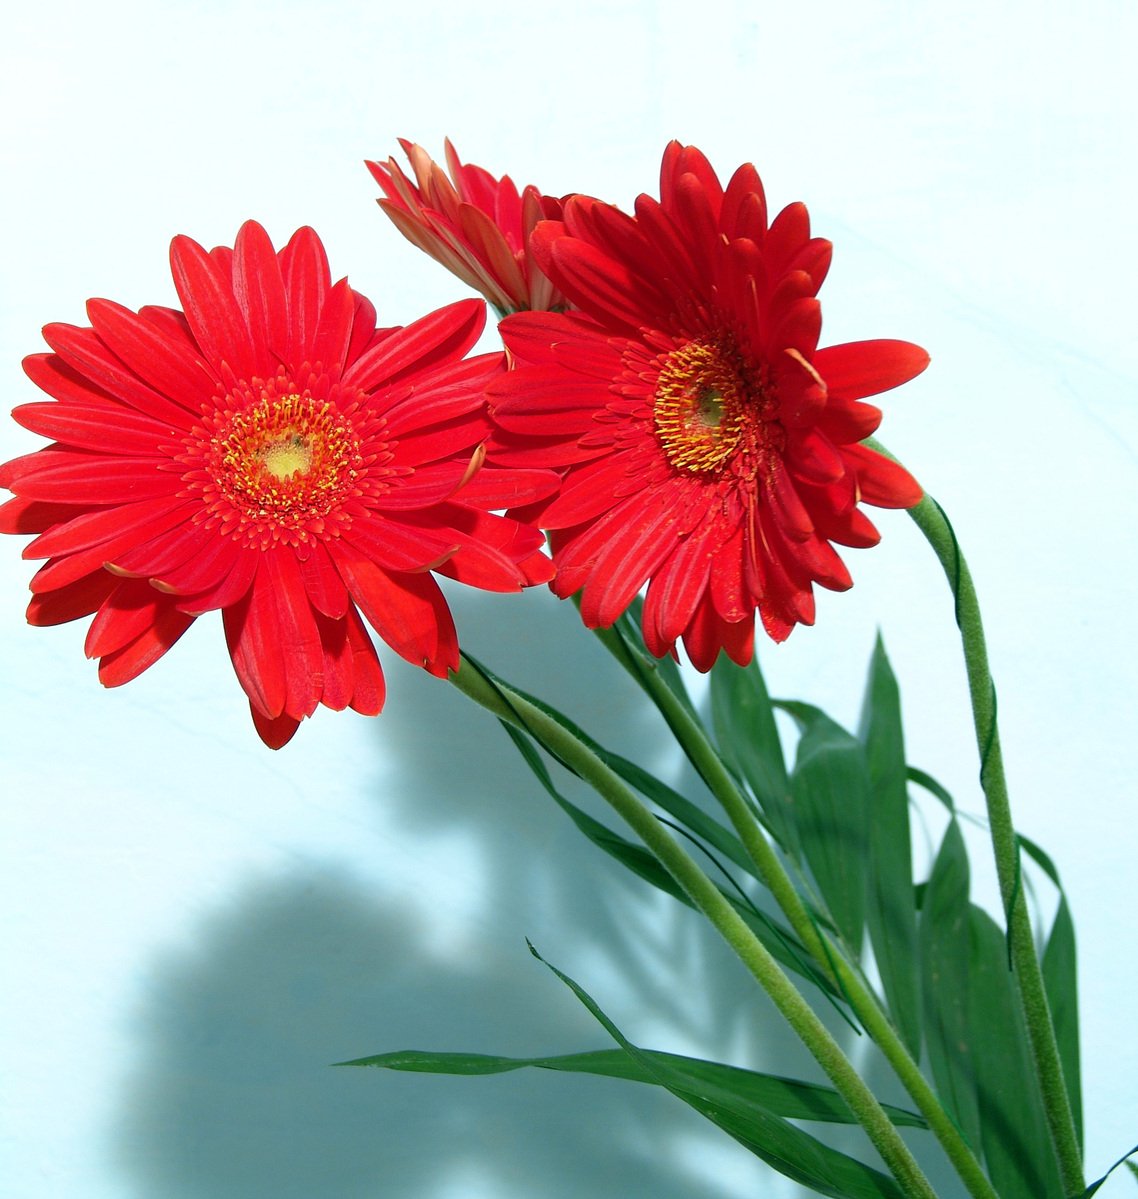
(232, 1096)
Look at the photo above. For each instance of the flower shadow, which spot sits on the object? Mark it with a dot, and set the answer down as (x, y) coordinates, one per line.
(418, 942)
(234, 1097)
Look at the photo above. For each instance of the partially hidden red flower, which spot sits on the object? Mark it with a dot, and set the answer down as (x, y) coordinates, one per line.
(708, 447)
(270, 453)
(477, 226)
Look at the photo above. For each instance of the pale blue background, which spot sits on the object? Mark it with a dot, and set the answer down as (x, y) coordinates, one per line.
(194, 926)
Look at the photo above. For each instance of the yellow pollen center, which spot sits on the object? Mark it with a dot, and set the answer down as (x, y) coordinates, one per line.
(288, 459)
(700, 406)
(282, 459)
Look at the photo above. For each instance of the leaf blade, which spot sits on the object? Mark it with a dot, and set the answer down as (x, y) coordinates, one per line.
(830, 789)
(787, 1097)
(776, 938)
(742, 716)
(891, 910)
(1017, 1146)
(944, 945)
(782, 1145)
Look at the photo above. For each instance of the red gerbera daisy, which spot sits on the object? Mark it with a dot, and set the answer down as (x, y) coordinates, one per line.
(708, 447)
(477, 226)
(269, 453)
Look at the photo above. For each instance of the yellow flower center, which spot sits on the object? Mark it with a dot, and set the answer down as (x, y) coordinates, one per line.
(285, 456)
(273, 464)
(701, 407)
(289, 457)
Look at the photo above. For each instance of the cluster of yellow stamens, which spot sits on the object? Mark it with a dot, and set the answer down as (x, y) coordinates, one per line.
(278, 461)
(703, 405)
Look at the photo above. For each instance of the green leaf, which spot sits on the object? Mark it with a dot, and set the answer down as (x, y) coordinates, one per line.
(625, 642)
(628, 628)
(1129, 1165)
(1017, 1145)
(1060, 983)
(698, 821)
(944, 941)
(786, 1097)
(830, 786)
(743, 718)
(926, 781)
(769, 1136)
(706, 827)
(778, 940)
(891, 915)
(634, 857)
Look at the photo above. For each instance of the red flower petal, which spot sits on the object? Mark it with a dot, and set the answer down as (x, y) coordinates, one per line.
(253, 635)
(323, 586)
(474, 224)
(882, 482)
(86, 354)
(306, 278)
(259, 290)
(112, 430)
(866, 368)
(80, 598)
(369, 689)
(141, 653)
(448, 333)
(169, 364)
(407, 610)
(217, 322)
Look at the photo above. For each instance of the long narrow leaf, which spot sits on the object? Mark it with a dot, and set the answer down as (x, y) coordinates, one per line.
(787, 1148)
(745, 730)
(1098, 1183)
(945, 978)
(777, 939)
(1061, 986)
(634, 857)
(1060, 982)
(786, 1097)
(892, 915)
(830, 785)
(1017, 1146)
(925, 780)
(628, 629)
(671, 801)
(698, 821)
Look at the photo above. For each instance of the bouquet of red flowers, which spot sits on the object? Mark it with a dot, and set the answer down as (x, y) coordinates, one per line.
(663, 440)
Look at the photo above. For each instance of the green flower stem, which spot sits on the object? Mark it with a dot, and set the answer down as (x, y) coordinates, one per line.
(691, 735)
(708, 899)
(931, 520)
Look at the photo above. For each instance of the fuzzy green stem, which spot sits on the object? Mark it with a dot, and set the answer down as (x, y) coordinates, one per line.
(704, 757)
(932, 522)
(710, 901)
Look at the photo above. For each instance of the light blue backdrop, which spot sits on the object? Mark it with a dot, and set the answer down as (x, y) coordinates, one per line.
(194, 927)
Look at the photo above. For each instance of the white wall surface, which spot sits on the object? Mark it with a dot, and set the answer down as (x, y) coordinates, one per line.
(194, 927)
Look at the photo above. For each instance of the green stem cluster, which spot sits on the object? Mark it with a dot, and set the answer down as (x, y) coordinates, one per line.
(513, 708)
(932, 522)
(829, 957)
(826, 955)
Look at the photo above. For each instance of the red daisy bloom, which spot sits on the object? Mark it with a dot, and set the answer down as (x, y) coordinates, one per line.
(271, 454)
(708, 447)
(477, 226)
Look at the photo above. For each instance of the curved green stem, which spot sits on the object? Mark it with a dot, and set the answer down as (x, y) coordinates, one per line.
(929, 517)
(705, 758)
(710, 901)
